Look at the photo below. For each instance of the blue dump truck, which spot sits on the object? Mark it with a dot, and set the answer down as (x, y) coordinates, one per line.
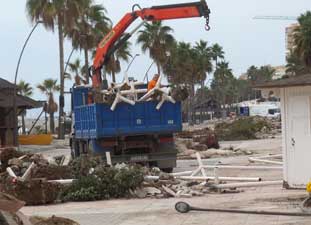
(131, 133)
(138, 134)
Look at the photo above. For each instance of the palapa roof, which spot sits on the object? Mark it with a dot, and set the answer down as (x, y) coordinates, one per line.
(302, 80)
(6, 99)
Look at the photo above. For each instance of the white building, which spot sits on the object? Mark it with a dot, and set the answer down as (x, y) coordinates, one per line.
(295, 94)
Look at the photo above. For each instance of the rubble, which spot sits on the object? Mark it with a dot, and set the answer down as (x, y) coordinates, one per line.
(32, 192)
(6, 154)
(204, 138)
(52, 221)
(246, 128)
(10, 214)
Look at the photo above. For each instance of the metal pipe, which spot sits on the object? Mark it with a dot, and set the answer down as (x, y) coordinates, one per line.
(15, 139)
(184, 207)
(129, 66)
(35, 123)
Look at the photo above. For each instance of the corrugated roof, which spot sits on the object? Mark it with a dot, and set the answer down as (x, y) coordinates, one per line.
(302, 80)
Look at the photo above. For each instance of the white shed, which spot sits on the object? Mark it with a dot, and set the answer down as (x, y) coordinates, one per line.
(295, 94)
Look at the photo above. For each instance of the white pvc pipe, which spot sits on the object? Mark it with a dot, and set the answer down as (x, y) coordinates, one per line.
(151, 178)
(136, 91)
(249, 184)
(204, 178)
(264, 161)
(268, 156)
(28, 172)
(108, 157)
(245, 167)
(67, 181)
(11, 172)
(181, 173)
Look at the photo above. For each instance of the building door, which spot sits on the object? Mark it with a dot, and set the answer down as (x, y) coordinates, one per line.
(299, 141)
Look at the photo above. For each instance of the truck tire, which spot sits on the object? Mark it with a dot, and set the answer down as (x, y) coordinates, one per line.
(167, 170)
(75, 149)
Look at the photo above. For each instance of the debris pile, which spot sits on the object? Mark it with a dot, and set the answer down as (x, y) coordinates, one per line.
(248, 128)
(5, 155)
(52, 221)
(10, 214)
(29, 176)
(166, 185)
(203, 138)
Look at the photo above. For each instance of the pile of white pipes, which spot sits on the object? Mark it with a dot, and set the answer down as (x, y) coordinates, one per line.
(130, 95)
(201, 174)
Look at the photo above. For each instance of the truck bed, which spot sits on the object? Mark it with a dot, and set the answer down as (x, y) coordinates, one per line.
(98, 121)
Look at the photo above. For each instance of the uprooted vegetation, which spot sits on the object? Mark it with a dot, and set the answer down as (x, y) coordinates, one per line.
(88, 179)
(99, 182)
(242, 129)
(204, 138)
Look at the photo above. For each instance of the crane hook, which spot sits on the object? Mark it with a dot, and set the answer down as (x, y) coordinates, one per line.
(207, 26)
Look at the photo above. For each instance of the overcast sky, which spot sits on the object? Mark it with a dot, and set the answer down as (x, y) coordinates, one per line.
(245, 41)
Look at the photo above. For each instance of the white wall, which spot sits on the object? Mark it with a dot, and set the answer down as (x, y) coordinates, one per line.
(296, 167)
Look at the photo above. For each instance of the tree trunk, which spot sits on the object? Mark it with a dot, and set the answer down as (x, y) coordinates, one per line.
(113, 72)
(191, 115)
(62, 80)
(159, 68)
(52, 125)
(86, 56)
(23, 122)
(202, 97)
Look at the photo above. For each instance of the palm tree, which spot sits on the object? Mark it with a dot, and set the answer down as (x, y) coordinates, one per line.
(222, 84)
(114, 64)
(302, 39)
(204, 56)
(49, 87)
(62, 13)
(218, 53)
(90, 26)
(295, 66)
(158, 40)
(76, 69)
(26, 90)
(203, 61)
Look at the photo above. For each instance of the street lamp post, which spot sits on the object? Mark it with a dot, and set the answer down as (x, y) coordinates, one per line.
(15, 139)
(129, 66)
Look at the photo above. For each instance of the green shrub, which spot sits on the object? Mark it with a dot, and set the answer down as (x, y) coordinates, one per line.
(105, 183)
(241, 129)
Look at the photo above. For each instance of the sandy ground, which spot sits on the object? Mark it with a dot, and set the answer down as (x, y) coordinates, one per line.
(161, 211)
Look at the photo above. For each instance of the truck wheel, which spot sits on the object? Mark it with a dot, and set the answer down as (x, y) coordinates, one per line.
(75, 150)
(167, 170)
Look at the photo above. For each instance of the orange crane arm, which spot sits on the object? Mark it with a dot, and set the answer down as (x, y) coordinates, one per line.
(114, 39)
